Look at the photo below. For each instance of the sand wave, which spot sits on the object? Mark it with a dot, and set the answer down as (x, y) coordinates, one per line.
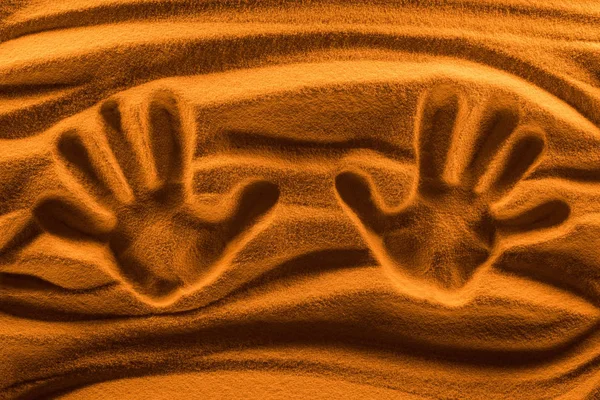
(380, 207)
(211, 47)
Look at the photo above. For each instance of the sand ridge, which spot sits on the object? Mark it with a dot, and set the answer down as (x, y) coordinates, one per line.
(233, 198)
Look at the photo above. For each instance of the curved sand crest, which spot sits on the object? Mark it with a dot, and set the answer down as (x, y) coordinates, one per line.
(55, 70)
(492, 309)
(235, 384)
(103, 188)
(268, 224)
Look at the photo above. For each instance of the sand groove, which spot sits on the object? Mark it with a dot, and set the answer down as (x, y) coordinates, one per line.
(373, 200)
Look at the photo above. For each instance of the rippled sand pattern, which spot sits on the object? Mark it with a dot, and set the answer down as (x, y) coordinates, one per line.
(299, 199)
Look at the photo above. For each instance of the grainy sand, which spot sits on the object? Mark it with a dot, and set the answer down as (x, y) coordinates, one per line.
(299, 199)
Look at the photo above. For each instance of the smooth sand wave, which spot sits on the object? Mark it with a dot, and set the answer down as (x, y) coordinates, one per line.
(402, 202)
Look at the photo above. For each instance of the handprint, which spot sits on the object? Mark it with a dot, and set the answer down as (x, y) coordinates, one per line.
(447, 227)
(133, 192)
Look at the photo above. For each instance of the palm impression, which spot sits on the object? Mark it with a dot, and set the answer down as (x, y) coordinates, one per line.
(447, 227)
(133, 192)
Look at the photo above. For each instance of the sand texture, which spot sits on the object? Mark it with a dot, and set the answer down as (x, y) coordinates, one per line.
(299, 199)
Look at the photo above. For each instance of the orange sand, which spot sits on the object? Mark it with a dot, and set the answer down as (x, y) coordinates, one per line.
(299, 199)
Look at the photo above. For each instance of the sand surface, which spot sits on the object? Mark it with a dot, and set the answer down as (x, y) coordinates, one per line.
(299, 199)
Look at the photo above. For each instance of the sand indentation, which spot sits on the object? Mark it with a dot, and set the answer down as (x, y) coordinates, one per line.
(408, 208)
(135, 195)
(447, 229)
